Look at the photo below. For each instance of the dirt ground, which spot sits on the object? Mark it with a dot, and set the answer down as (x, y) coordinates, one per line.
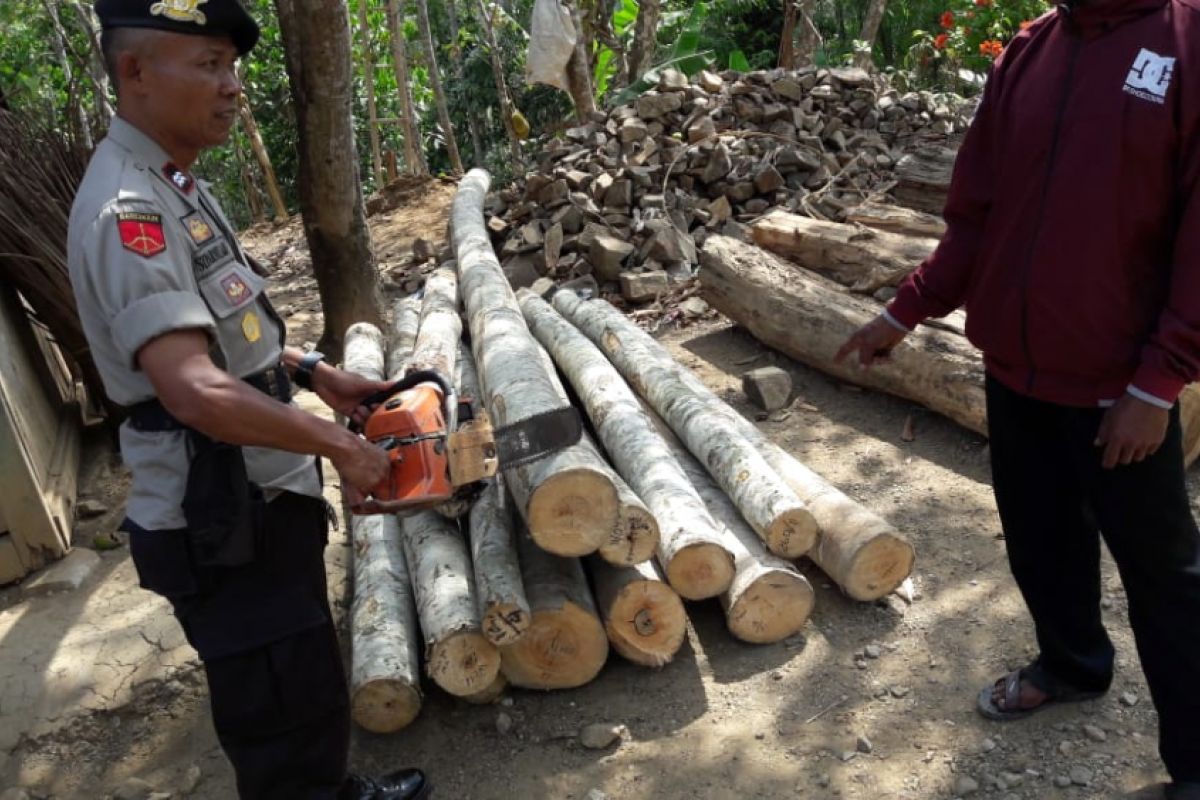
(869, 701)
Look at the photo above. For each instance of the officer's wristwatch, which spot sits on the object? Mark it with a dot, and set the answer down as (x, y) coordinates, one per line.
(303, 376)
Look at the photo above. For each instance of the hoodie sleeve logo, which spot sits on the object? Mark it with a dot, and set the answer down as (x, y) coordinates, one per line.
(1150, 76)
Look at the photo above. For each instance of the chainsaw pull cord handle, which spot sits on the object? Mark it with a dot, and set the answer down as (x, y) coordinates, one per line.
(449, 398)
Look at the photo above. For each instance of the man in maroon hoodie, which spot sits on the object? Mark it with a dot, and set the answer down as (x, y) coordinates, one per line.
(1073, 240)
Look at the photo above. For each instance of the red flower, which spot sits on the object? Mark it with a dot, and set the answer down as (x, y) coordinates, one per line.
(948, 20)
(940, 40)
(991, 48)
(983, 3)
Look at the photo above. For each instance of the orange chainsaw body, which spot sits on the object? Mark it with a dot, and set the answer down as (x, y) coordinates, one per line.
(411, 427)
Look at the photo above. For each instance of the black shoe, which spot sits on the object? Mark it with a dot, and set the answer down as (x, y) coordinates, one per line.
(404, 784)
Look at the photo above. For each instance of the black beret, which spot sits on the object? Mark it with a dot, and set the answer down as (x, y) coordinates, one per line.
(197, 17)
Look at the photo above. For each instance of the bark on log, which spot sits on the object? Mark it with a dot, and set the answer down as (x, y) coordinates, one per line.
(773, 509)
(569, 505)
(863, 260)
(406, 322)
(436, 347)
(643, 616)
(691, 546)
(458, 656)
(924, 179)
(565, 645)
(503, 608)
(897, 219)
(769, 600)
(385, 665)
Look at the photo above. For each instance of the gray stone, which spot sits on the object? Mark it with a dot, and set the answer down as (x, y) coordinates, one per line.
(965, 785)
(1062, 781)
(672, 80)
(552, 246)
(620, 194)
(1095, 733)
(769, 388)
(607, 254)
(585, 286)
(133, 789)
(653, 106)
(640, 287)
(504, 723)
(1012, 779)
(786, 87)
(740, 192)
(711, 82)
(694, 307)
(987, 746)
(600, 735)
(633, 130)
(756, 205)
(543, 287)
(768, 180)
(521, 271)
(595, 794)
(422, 250)
(851, 76)
(87, 509)
(719, 165)
(191, 779)
(720, 209)
(554, 194)
(1081, 776)
(15, 793)
(863, 745)
(63, 576)
(1129, 699)
(669, 245)
(701, 129)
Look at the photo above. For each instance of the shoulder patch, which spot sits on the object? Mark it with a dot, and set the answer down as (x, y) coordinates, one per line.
(142, 233)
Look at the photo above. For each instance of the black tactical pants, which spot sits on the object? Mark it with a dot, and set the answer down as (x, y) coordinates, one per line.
(265, 634)
(1055, 503)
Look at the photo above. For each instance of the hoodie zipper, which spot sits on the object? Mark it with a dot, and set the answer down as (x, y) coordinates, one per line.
(1052, 160)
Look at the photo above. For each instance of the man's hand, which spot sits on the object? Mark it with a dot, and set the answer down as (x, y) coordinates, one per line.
(362, 466)
(873, 342)
(1131, 431)
(344, 391)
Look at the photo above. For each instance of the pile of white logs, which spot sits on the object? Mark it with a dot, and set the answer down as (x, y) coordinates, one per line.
(598, 545)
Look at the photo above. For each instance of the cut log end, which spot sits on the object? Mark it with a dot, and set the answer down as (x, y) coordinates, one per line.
(647, 623)
(792, 534)
(772, 608)
(571, 513)
(633, 539)
(464, 663)
(505, 623)
(700, 571)
(563, 649)
(491, 694)
(878, 567)
(386, 705)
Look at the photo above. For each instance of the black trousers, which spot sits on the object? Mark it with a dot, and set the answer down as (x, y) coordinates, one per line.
(265, 634)
(1055, 502)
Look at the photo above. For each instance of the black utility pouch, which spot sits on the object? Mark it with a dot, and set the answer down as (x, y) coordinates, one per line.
(223, 509)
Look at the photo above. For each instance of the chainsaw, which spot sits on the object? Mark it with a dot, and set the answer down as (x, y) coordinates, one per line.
(440, 449)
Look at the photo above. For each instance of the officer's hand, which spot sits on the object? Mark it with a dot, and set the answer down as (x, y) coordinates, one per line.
(873, 342)
(1131, 431)
(362, 466)
(344, 391)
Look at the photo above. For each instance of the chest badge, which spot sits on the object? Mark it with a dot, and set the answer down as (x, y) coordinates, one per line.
(235, 289)
(1150, 76)
(142, 233)
(251, 328)
(200, 231)
(180, 10)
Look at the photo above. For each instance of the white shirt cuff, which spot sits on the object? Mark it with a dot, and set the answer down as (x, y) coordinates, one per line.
(1146, 397)
(895, 323)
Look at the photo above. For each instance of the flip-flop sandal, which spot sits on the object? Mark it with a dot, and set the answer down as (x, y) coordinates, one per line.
(1058, 693)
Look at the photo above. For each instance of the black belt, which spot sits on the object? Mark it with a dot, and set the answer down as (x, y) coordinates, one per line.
(151, 416)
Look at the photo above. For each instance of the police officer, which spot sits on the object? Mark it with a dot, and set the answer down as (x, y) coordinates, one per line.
(225, 515)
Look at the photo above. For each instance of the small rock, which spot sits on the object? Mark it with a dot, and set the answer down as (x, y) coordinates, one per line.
(607, 255)
(711, 82)
(1066, 749)
(871, 651)
(86, 509)
(1081, 776)
(672, 80)
(595, 794)
(965, 785)
(694, 307)
(504, 723)
(1129, 699)
(864, 745)
(422, 250)
(770, 388)
(600, 735)
(640, 287)
(1106, 602)
(543, 287)
(824, 781)
(849, 755)
(1012, 779)
(191, 779)
(652, 106)
(987, 746)
(1062, 781)
(133, 789)
(507, 702)
(899, 692)
(62, 576)
(1095, 733)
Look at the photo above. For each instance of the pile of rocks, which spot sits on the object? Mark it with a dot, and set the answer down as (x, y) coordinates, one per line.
(630, 196)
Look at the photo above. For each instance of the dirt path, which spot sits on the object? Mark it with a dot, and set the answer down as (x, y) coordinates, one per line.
(870, 701)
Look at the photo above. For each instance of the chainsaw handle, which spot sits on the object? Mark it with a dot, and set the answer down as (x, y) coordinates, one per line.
(407, 382)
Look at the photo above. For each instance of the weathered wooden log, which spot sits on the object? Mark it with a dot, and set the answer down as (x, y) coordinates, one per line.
(385, 664)
(643, 616)
(504, 611)
(570, 506)
(458, 657)
(924, 179)
(634, 537)
(691, 546)
(772, 509)
(769, 600)
(440, 331)
(565, 645)
(864, 260)
(406, 321)
(491, 694)
(897, 219)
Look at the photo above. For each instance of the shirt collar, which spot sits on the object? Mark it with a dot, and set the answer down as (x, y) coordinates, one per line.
(149, 154)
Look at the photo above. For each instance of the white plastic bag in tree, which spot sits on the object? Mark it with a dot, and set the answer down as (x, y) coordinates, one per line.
(551, 42)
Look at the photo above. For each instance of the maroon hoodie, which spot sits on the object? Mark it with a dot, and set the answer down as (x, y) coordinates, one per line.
(1073, 220)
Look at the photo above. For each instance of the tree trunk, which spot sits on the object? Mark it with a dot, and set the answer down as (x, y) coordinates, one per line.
(477, 146)
(249, 184)
(458, 657)
(385, 668)
(870, 32)
(506, 105)
(810, 37)
(316, 36)
(697, 560)
(368, 53)
(97, 72)
(406, 321)
(643, 617)
(414, 155)
(437, 342)
(569, 504)
(773, 509)
(503, 608)
(579, 71)
(787, 41)
(863, 260)
(897, 219)
(645, 40)
(565, 645)
(439, 97)
(769, 600)
(58, 39)
(264, 159)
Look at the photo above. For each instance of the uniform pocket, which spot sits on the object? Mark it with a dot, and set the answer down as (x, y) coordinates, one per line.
(231, 289)
(163, 561)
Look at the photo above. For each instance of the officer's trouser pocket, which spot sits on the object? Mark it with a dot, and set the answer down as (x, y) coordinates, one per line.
(163, 561)
(224, 511)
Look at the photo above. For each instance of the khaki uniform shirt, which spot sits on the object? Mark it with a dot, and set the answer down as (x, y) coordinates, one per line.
(150, 251)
